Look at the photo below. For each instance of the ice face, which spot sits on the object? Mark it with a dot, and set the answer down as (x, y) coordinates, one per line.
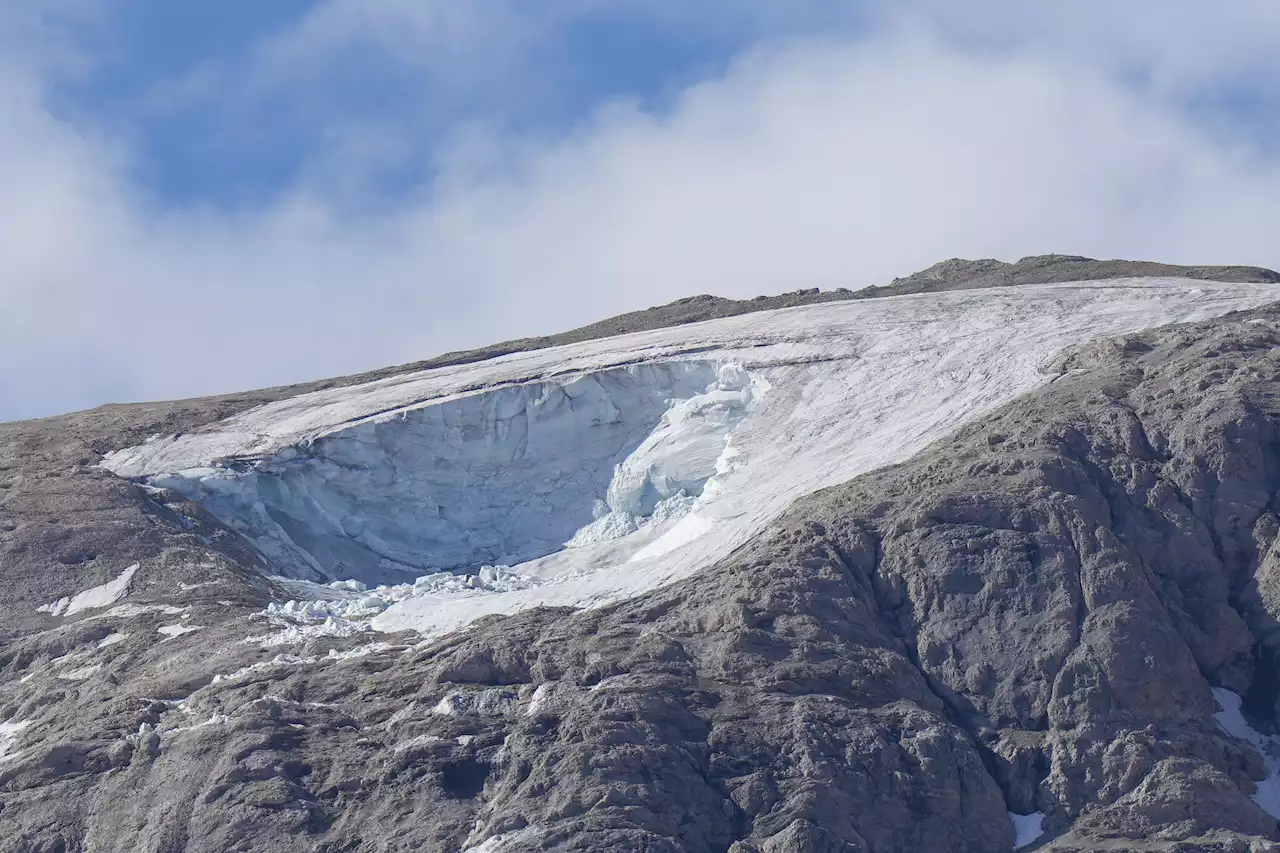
(500, 476)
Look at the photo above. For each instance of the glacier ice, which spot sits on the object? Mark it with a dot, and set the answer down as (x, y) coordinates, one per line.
(603, 469)
(501, 475)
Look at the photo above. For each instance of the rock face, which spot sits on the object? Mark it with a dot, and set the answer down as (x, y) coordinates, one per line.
(1026, 618)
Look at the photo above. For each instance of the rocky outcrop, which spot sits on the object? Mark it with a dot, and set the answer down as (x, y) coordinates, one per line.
(1028, 617)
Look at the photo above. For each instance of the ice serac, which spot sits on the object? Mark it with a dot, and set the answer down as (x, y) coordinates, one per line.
(607, 468)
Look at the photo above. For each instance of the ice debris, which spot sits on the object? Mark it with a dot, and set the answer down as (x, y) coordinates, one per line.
(345, 614)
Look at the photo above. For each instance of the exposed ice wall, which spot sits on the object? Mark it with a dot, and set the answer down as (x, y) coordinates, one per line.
(497, 476)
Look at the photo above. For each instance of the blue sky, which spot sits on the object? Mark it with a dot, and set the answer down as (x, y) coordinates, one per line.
(227, 147)
(207, 197)
(228, 104)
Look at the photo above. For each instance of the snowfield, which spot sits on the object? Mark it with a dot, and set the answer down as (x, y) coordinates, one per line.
(600, 470)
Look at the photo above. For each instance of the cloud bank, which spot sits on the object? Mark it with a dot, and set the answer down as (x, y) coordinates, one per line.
(811, 160)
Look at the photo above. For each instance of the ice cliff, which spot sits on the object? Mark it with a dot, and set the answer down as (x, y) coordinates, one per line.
(496, 476)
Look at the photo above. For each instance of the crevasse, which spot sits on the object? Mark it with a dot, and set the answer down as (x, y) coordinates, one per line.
(499, 476)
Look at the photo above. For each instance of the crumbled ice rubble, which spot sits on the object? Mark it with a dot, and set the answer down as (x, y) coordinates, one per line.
(1026, 828)
(1233, 723)
(347, 607)
(9, 735)
(99, 596)
(112, 639)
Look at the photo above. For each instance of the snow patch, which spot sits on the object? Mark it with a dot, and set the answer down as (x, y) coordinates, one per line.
(81, 673)
(112, 639)
(1233, 723)
(91, 599)
(1026, 828)
(504, 841)
(541, 698)
(9, 735)
(414, 742)
(686, 531)
(176, 630)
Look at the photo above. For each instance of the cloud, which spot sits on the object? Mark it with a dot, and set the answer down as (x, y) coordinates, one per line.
(839, 161)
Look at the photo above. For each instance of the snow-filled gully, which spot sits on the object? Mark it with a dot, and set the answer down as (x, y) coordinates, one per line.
(595, 471)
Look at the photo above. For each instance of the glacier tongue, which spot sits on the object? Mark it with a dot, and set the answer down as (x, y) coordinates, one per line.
(652, 454)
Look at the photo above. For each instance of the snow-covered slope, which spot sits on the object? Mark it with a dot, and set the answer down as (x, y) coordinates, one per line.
(603, 469)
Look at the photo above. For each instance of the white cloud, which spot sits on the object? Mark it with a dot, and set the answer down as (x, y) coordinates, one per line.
(822, 163)
(1180, 46)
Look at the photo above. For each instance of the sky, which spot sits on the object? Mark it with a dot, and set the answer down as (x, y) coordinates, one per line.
(203, 198)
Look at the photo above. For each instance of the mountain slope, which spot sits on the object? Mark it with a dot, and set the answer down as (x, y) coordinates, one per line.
(1024, 618)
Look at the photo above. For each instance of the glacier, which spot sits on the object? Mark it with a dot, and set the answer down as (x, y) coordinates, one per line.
(596, 471)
